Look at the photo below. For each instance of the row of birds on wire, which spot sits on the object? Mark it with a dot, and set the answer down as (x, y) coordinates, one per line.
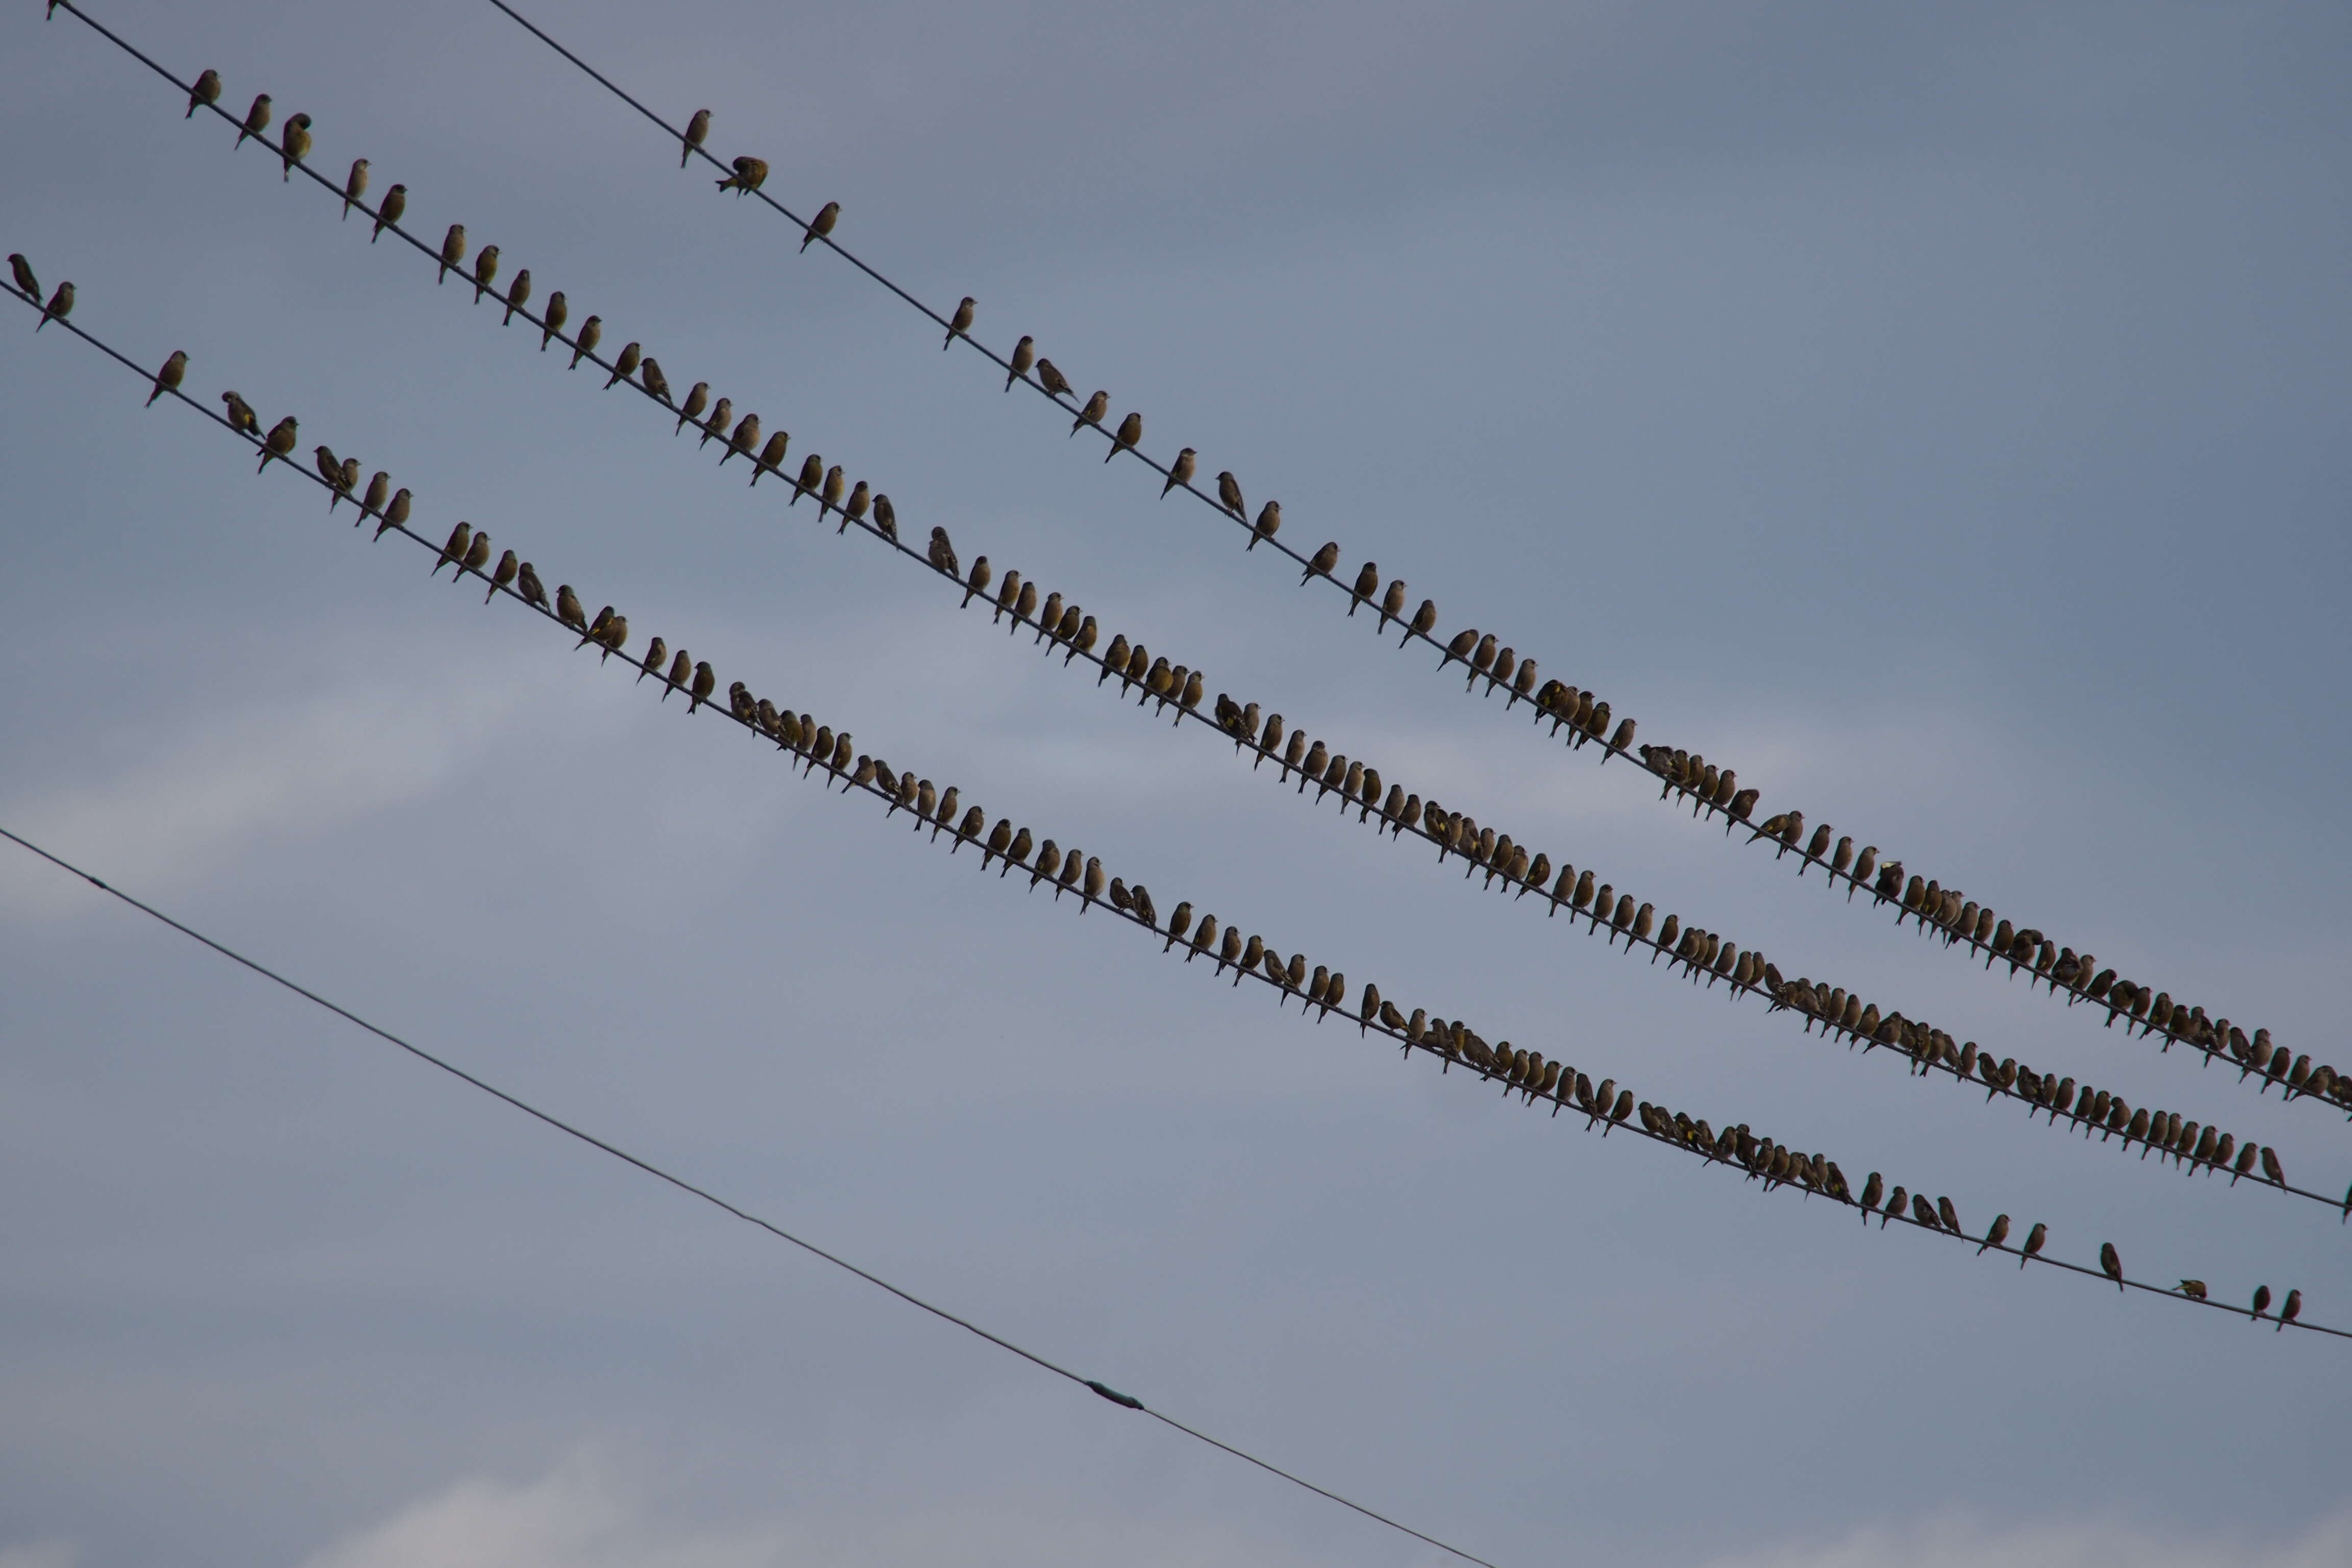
(1606, 1106)
(1833, 1007)
(1588, 718)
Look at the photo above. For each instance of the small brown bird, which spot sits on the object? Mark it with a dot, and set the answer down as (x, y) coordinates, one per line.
(463, 535)
(280, 442)
(528, 585)
(205, 93)
(485, 269)
(829, 497)
(653, 380)
(979, 580)
(559, 309)
(625, 364)
(395, 515)
(477, 555)
(812, 475)
(1229, 494)
(1269, 523)
(584, 344)
(1025, 355)
(942, 553)
(388, 211)
(885, 518)
(26, 284)
(354, 185)
(372, 504)
(595, 632)
(567, 607)
(1180, 473)
(453, 251)
(959, 324)
(2193, 1288)
(2111, 1264)
(2289, 1310)
(2033, 1240)
(770, 454)
(698, 398)
(1055, 381)
(1367, 579)
(655, 651)
(2261, 1301)
(680, 669)
(704, 679)
(1320, 564)
(696, 129)
(1131, 431)
(256, 119)
(506, 575)
(722, 414)
(517, 295)
(59, 307)
(822, 225)
(746, 437)
(1097, 406)
(330, 469)
(854, 510)
(294, 144)
(168, 378)
(750, 174)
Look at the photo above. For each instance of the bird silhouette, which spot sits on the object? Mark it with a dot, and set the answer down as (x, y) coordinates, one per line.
(822, 225)
(942, 555)
(885, 518)
(395, 515)
(168, 379)
(625, 364)
(463, 535)
(704, 679)
(1179, 472)
(1097, 406)
(205, 93)
(1268, 524)
(559, 310)
(2111, 1264)
(256, 119)
(1055, 381)
(26, 284)
(388, 212)
(1025, 355)
(1131, 431)
(280, 443)
(959, 324)
(505, 574)
(60, 306)
(1321, 563)
(372, 504)
(584, 343)
(528, 585)
(698, 398)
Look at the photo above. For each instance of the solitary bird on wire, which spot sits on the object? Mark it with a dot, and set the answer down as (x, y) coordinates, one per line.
(696, 129)
(750, 174)
(1054, 381)
(26, 284)
(1097, 406)
(1025, 355)
(59, 307)
(205, 93)
(354, 185)
(822, 225)
(959, 324)
(280, 441)
(2111, 1264)
(1131, 431)
(256, 119)
(387, 213)
(168, 378)
(294, 144)
(453, 251)
(1179, 472)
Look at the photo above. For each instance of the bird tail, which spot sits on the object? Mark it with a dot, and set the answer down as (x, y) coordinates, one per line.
(154, 394)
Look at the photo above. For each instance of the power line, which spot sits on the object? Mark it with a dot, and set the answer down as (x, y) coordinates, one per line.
(1927, 1051)
(682, 1185)
(2190, 1031)
(1775, 1165)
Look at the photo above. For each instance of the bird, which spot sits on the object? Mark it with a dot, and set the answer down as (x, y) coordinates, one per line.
(59, 307)
(388, 211)
(595, 633)
(205, 93)
(1996, 1235)
(463, 535)
(1269, 523)
(1871, 1192)
(26, 284)
(625, 364)
(1949, 1215)
(1055, 383)
(942, 553)
(477, 555)
(1097, 406)
(256, 119)
(696, 129)
(2033, 1240)
(704, 679)
(1131, 431)
(1367, 579)
(280, 443)
(395, 515)
(830, 497)
(168, 378)
(812, 475)
(2111, 1264)
(2261, 1301)
(822, 225)
(528, 585)
(518, 294)
(559, 309)
(750, 174)
(2289, 1310)
(372, 502)
(453, 251)
(698, 398)
(506, 575)
(680, 668)
(1322, 562)
(584, 344)
(959, 324)
(746, 437)
(655, 651)
(722, 414)
(1229, 494)
(2193, 1288)
(653, 380)
(294, 144)
(770, 454)
(885, 518)
(1025, 355)
(1179, 472)
(567, 608)
(485, 267)
(354, 185)
(979, 580)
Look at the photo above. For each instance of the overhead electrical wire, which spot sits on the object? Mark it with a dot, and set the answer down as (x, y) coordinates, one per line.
(1522, 1072)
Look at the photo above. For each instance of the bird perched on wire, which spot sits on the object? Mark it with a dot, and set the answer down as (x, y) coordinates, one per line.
(26, 284)
(1056, 384)
(584, 344)
(485, 269)
(1323, 560)
(653, 380)
(821, 226)
(59, 307)
(280, 443)
(1229, 494)
(957, 324)
(559, 310)
(453, 251)
(517, 295)
(1097, 406)
(854, 510)
(256, 119)
(696, 129)
(294, 144)
(567, 608)
(886, 519)
(461, 537)
(2289, 1310)
(2111, 1264)
(205, 93)
(705, 678)
(625, 364)
(372, 502)
(1268, 524)
(770, 454)
(812, 475)
(354, 185)
(942, 555)
(1025, 355)
(168, 378)
(698, 398)
(746, 437)
(1179, 472)
(526, 583)
(505, 574)
(387, 213)
(477, 555)
(1131, 431)
(750, 174)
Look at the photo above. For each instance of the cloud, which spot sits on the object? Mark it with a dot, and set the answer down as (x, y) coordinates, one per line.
(1954, 1543)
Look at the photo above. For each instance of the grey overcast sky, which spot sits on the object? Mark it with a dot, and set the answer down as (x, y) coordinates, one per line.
(1938, 412)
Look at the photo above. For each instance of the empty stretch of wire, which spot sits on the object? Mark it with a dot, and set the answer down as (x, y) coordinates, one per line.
(815, 745)
(1711, 789)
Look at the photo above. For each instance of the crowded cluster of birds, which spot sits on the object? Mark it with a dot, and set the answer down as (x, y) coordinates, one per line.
(1174, 687)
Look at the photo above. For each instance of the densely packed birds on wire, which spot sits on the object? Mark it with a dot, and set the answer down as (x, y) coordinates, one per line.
(1526, 1074)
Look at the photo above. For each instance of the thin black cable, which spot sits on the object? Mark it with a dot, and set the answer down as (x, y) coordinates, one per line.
(682, 1185)
(1609, 747)
(1668, 1132)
